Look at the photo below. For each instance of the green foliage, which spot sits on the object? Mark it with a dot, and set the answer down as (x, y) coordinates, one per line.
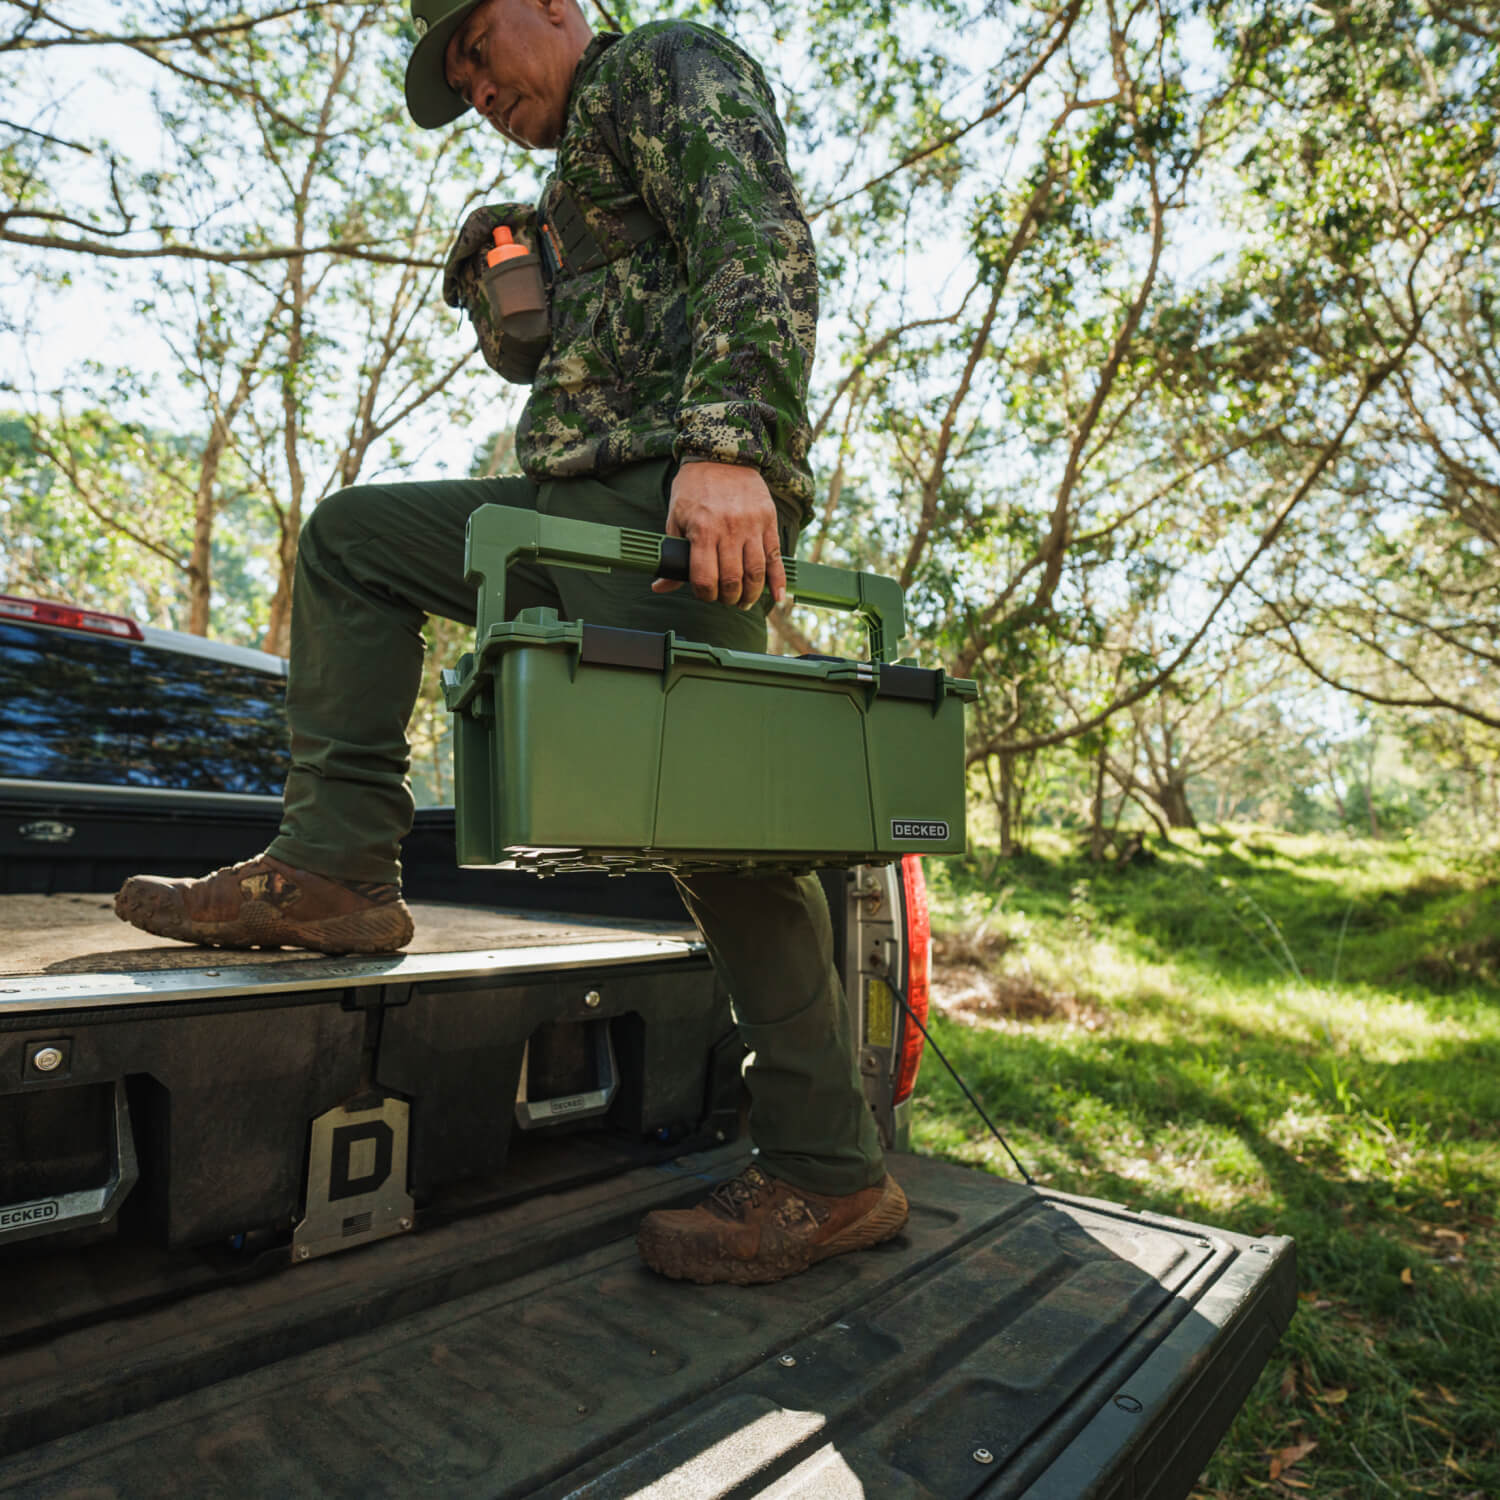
(303, 337)
(1158, 359)
(119, 538)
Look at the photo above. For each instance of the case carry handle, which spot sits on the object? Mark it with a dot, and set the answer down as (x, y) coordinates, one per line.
(501, 535)
(79, 1206)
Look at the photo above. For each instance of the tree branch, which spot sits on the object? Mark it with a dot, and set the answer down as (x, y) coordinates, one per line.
(931, 147)
(81, 37)
(350, 249)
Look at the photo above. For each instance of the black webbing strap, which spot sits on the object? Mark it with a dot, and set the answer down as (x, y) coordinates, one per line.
(921, 684)
(609, 646)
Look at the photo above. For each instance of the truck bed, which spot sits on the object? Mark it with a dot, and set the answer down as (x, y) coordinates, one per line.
(1010, 1342)
(78, 933)
(69, 951)
(185, 1088)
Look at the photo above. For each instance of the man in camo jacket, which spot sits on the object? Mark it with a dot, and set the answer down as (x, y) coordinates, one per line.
(696, 343)
(672, 397)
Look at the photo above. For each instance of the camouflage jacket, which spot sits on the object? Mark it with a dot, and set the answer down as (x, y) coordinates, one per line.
(696, 343)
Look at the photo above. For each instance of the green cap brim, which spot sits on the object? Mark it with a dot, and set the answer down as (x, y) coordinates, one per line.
(429, 100)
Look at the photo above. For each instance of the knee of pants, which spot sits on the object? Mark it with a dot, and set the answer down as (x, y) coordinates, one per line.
(342, 518)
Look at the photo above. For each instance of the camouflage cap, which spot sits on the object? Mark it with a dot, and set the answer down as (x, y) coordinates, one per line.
(428, 98)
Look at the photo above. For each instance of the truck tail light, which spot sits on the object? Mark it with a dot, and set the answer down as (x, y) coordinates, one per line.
(918, 975)
(37, 613)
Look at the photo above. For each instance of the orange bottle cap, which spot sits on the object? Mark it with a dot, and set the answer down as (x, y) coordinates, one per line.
(505, 247)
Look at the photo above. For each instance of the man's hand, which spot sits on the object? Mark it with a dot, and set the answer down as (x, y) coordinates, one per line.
(726, 512)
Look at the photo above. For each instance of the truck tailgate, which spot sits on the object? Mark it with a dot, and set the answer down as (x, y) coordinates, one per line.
(1010, 1342)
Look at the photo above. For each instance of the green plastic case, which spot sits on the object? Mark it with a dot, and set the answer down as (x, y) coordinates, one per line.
(578, 746)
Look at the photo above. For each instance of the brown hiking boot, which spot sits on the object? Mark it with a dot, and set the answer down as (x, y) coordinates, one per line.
(264, 903)
(757, 1228)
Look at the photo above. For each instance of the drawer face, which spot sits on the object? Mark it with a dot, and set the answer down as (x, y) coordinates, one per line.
(213, 1106)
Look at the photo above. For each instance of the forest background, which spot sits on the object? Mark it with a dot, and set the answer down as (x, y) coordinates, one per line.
(1157, 359)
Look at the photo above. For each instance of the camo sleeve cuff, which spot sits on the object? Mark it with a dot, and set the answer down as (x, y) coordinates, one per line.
(727, 433)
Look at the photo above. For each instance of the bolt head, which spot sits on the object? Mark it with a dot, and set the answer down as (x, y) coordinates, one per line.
(406, 1223)
(303, 1252)
(47, 1059)
(983, 1456)
(592, 999)
(788, 1360)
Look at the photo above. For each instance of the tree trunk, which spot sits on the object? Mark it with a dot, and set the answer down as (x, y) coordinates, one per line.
(1096, 810)
(1007, 804)
(1173, 799)
(1338, 796)
(200, 566)
(205, 510)
(279, 626)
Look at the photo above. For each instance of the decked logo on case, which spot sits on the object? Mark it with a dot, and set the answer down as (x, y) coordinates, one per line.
(47, 831)
(905, 828)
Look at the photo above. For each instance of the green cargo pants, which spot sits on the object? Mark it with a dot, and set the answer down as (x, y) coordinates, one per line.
(372, 562)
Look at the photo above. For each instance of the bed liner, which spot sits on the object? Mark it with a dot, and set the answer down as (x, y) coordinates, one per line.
(1012, 1341)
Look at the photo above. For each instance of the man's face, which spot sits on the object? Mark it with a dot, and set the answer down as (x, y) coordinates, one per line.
(513, 60)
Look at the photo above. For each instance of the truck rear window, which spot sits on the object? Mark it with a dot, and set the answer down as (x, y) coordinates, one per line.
(86, 709)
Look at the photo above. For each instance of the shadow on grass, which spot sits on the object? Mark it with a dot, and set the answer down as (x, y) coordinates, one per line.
(1454, 1082)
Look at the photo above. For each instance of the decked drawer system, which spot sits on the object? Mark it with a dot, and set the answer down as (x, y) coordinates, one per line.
(180, 1147)
(187, 1097)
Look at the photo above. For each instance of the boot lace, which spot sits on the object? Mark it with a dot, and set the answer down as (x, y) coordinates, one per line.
(750, 1188)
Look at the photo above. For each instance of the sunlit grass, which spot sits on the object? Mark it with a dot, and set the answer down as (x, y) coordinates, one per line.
(1273, 1034)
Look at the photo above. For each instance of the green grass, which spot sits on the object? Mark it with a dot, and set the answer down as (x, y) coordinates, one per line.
(1271, 1034)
